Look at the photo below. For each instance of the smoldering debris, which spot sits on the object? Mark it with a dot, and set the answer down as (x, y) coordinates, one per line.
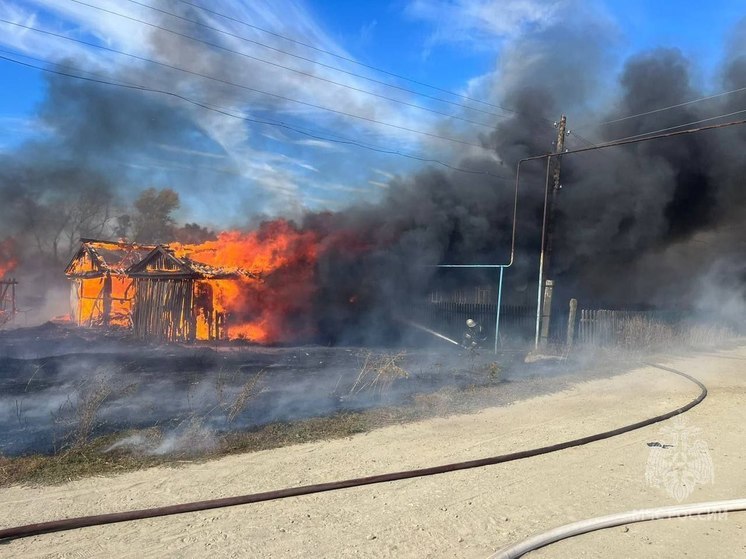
(187, 398)
(184, 401)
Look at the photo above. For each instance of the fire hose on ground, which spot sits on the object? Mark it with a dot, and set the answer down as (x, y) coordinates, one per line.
(111, 518)
(612, 520)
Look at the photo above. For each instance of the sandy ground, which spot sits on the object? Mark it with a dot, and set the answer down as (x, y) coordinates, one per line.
(462, 514)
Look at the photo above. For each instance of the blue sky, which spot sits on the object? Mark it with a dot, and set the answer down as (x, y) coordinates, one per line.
(459, 45)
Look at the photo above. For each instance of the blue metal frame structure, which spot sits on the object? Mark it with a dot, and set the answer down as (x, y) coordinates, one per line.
(502, 267)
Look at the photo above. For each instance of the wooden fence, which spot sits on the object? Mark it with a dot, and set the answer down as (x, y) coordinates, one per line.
(606, 327)
(518, 322)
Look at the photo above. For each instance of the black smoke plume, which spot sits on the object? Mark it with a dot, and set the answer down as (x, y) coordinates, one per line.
(650, 224)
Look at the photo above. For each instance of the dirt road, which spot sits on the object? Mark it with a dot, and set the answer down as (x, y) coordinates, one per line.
(462, 514)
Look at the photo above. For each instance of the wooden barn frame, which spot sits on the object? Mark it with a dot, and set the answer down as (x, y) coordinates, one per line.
(101, 293)
(175, 299)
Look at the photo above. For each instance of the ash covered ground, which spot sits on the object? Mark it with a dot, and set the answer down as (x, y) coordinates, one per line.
(60, 385)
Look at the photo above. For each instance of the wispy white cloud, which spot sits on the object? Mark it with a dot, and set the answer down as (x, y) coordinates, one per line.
(339, 187)
(483, 22)
(299, 163)
(22, 125)
(285, 17)
(150, 163)
(384, 174)
(186, 151)
(317, 203)
(245, 149)
(322, 144)
(365, 34)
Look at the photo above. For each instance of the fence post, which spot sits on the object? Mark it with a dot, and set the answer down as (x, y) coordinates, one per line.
(592, 323)
(571, 322)
(546, 314)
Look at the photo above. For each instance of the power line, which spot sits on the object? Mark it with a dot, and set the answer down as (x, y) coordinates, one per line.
(254, 120)
(661, 109)
(586, 141)
(275, 95)
(312, 61)
(357, 62)
(275, 64)
(301, 72)
(136, 86)
(634, 140)
(644, 134)
(581, 138)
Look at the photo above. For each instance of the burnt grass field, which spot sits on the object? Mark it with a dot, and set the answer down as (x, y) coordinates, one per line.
(62, 388)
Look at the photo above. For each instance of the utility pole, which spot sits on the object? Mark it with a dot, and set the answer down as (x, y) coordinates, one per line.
(548, 284)
(561, 133)
(548, 157)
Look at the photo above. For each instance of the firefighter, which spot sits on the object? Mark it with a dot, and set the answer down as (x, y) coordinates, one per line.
(474, 335)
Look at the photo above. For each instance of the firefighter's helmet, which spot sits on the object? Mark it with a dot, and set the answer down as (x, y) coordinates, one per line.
(471, 323)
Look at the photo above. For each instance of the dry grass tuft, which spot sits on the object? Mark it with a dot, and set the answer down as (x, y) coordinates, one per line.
(78, 419)
(83, 461)
(705, 335)
(249, 390)
(379, 371)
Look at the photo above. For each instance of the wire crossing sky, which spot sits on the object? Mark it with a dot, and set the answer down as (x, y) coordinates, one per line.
(323, 104)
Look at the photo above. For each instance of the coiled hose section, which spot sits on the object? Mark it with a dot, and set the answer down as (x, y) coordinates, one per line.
(111, 518)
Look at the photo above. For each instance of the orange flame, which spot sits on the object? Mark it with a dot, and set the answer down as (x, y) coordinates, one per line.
(276, 308)
(8, 258)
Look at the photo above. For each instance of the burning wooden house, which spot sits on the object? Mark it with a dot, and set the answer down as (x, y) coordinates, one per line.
(178, 299)
(101, 293)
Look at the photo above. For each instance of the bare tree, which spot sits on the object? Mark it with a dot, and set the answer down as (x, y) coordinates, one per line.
(153, 222)
(87, 214)
(54, 208)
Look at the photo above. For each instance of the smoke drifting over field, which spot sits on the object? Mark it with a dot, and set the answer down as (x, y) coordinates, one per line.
(646, 224)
